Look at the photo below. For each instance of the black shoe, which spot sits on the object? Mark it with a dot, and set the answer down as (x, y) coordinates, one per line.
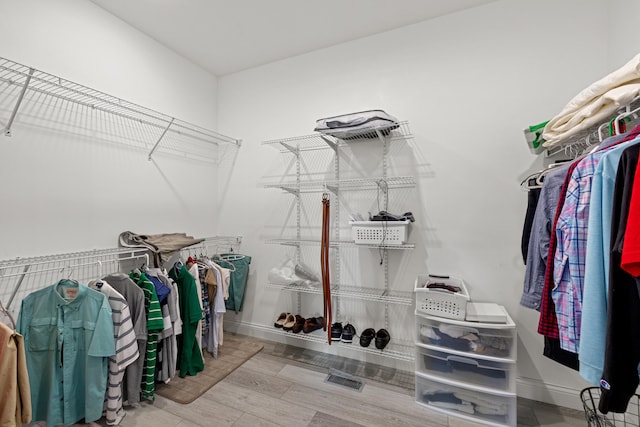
(366, 336)
(348, 332)
(382, 339)
(336, 331)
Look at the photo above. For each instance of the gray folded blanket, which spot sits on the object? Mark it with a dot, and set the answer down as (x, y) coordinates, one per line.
(161, 244)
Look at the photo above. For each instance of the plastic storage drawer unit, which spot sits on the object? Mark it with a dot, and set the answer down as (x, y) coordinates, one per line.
(487, 340)
(481, 406)
(470, 370)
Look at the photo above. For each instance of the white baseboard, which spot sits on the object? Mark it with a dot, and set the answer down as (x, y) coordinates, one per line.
(548, 393)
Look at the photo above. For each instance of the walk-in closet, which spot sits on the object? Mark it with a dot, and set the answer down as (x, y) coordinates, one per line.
(363, 213)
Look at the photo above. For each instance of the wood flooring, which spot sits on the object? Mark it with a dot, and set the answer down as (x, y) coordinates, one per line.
(270, 390)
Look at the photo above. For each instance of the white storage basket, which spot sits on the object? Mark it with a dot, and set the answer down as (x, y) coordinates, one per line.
(380, 232)
(441, 302)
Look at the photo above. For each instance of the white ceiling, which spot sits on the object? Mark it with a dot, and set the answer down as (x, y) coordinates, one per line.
(225, 36)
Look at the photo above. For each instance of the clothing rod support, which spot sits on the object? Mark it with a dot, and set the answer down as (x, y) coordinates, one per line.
(164, 132)
(18, 284)
(7, 130)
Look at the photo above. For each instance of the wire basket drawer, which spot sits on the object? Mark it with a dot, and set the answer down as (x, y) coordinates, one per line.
(380, 232)
(449, 300)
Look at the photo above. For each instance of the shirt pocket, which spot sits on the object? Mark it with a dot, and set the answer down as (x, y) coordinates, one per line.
(43, 334)
(82, 332)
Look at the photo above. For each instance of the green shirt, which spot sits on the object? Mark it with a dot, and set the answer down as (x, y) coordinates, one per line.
(68, 385)
(189, 354)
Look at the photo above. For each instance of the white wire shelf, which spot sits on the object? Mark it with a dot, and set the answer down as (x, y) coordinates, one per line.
(20, 276)
(398, 351)
(354, 292)
(334, 243)
(318, 186)
(318, 140)
(32, 97)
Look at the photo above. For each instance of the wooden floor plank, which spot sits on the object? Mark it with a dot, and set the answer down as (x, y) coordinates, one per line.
(383, 397)
(272, 409)
(268, 384)
(200, 411)
(248, 420)
(352, 409)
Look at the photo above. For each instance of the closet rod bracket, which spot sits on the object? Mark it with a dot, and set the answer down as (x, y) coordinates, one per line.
(7, 130)
(164, 132)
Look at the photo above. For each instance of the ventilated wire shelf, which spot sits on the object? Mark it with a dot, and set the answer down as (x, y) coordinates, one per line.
(213, 246)
(30, 97)
(335, 243)
(399, 351)
(20, 276)
(320, 141)
(355, 292)
(318, 186)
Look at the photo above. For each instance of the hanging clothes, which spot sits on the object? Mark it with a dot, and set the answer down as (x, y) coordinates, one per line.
(168, 346)
(155, 325)
(126, 350)
(570, 255)
(239, 266)
(192, 268)
(214, 279)
(622, 351)
(189, 355)
(68, 385)
(15, 393)
(134, 296)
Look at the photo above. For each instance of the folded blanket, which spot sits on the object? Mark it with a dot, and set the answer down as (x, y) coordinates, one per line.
(362, 124)
(162, 244)
(595, 104)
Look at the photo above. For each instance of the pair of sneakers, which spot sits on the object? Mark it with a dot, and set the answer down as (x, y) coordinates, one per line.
(343, 333)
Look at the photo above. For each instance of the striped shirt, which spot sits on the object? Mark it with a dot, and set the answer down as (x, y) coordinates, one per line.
(126, 349)
(155, 324)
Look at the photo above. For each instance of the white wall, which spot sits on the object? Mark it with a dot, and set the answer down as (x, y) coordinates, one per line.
(65, 193)
(468, 84)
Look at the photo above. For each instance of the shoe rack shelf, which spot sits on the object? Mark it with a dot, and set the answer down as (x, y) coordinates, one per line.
(303, 154)
(398, 351)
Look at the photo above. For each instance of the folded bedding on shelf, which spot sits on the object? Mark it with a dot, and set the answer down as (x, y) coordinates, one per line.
(362, 124)
(162, 244)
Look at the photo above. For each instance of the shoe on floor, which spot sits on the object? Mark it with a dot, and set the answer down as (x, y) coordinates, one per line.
(382, 339)
(366, 336)
(348, 332)
(313, 324)
(297, 327)
(280, 320)
(336, 331)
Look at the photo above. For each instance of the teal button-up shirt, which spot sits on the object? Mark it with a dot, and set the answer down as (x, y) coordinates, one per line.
(68, 337)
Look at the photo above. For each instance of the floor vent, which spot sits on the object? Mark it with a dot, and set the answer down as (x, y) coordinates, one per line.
(344, 380)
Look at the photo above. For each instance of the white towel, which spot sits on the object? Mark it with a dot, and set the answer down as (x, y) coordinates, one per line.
(595, 104)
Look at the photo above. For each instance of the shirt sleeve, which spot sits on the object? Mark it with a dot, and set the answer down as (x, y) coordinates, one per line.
(102, 342)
